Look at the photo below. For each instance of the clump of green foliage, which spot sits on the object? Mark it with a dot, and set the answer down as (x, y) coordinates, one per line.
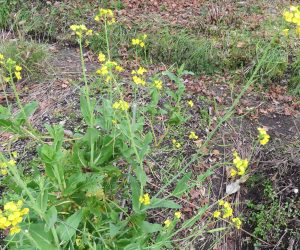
(270, 217)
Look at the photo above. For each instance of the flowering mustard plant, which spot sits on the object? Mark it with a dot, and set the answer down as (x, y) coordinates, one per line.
(105, 15)
(263, 136)
(145, 199)
(12, 215)
(240, 165)
(121, 105)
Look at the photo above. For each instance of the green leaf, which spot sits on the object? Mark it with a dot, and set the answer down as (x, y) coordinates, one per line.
(182, 186)
(149, 227)
(86, 109)
(42, 199)
(159, 203)
(39, 238)
(141, 175)
(68, 229)
(135, 190)
(51, 217)
(28, 109)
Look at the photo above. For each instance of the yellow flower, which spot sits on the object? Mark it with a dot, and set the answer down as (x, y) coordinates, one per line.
(237, 222)
(138, 81)
(1, 56)
(14, 230)
(226, 204)
(11, 206)
(18, 75)
(178, 214)
(298, 30)
(101, 57)
(263, 136)
(18, 68)
(167, 223)
(145, 199)
(15, 154)
(3, 171)
(4, 222)
(216, 214)
(142, 44)
(11, 163)
(108, 79)
(240, 164)
(294, 8)
(141, 71)
(221, 202)
(135, 41)
(103, 70)
(288, 16)
(80, 30)
(190, 103)
(119, 68)
(193, 136)
(285, 32)
(121, 105)
(158, 84)
(89, 32)
(25, 211)
(145, 36)
(176, 144)
(233, 172)
(227, 213)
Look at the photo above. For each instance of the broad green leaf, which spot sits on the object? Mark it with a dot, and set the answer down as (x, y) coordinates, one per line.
(86, 109)
(27, 111)
(182, 186)
(67, 229)
(141, 175)
(150, 227)
(51, 217)
(135, 190)
(40, 239)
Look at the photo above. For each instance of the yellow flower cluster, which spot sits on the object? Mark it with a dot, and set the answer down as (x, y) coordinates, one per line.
(176, 144)
(137, 76)
(6, 164)
(139, 41)
(292, 16)
(158, 84)
(227, 212)
(190, 103)
(107, 67)
(145, 199)
(240, 165)
(12, 216)
(121, 105)
(193, 136)
(168, 222)
(81, 30)
(237, 222)
(11, 66)
(263, 136)
(107, 15)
